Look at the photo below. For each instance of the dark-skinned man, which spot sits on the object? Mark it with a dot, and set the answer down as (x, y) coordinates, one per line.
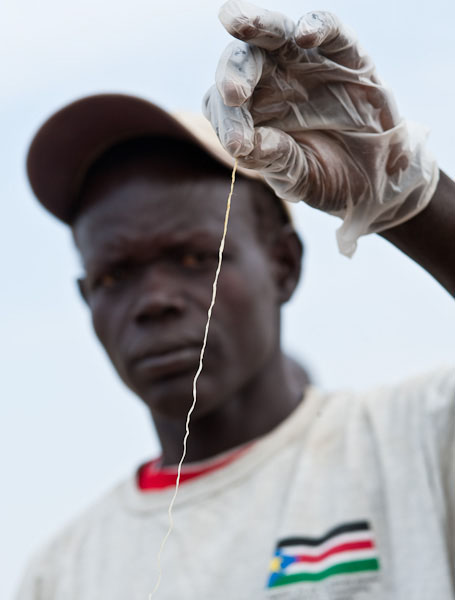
(287, 492)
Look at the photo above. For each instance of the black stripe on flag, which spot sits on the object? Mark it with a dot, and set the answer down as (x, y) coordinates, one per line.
(312, 541)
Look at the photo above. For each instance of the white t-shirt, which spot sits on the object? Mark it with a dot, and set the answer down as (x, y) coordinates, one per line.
(352, 497)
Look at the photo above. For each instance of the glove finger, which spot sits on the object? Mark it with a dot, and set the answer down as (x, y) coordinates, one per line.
(381, 99)
(257, 26)
(280, 160)
(398, 159)
(232, 124)
(270, 147)
(334, 40)
(238, 72)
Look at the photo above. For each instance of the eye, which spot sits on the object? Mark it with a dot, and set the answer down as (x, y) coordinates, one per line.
(198, 259)
(113, 276)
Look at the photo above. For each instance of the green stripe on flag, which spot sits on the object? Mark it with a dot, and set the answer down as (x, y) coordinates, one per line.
(355, 566)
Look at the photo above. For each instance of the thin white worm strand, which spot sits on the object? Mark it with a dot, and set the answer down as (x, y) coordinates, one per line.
(196, 377)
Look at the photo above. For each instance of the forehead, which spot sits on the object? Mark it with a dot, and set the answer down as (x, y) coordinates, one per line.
(157, 202)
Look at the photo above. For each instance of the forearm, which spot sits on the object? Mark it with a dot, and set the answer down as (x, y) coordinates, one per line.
(429, 237)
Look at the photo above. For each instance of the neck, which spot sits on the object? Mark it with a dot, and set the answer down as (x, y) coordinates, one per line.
(244, 416)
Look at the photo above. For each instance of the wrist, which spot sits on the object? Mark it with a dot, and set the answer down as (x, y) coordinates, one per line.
(395, 198)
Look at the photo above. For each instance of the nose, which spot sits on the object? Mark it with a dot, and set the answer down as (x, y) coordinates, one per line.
(159, 296)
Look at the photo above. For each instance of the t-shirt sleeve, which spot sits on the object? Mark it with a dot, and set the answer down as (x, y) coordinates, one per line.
(31, 586)
(39, 577)
(438, 430)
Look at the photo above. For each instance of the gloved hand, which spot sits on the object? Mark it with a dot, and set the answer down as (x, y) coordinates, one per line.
(302, 104)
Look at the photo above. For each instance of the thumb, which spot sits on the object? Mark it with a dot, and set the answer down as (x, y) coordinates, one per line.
(257, 26)
(281, 161)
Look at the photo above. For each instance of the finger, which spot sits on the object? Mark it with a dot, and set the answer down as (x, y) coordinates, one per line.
(238, 72)
(325, 31)
(270, 147)
(281, 160)
(257, 26)
(233, 124)
(381, 99)
(398, 159)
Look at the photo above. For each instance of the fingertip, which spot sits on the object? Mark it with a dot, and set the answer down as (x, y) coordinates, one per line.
(256, 26)
(310, 30)
(307, 40)
(236, 133)
(238, 72)
(205, 103)
(232, 16)
(324, 30)
(233, 125)
(233, 94)
(238, 145)
(222, 10)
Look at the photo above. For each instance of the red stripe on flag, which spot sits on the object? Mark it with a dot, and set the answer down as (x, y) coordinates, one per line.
(335, 550)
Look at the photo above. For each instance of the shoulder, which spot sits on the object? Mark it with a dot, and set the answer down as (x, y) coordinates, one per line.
(425, 396)
(97, 515)
(52, 557)
(429, 393)
(412, 412)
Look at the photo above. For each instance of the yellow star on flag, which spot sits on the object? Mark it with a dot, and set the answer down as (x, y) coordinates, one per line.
(275, 564)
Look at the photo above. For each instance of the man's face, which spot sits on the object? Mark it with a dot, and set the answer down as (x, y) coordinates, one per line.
(149, 241)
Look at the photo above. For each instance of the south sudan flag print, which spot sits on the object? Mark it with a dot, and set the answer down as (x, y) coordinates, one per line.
(346, 549)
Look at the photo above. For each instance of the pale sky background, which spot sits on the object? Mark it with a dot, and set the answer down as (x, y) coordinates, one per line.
(68, 428)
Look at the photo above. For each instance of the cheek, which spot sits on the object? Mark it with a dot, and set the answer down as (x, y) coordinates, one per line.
(250, 305)
(105, 315)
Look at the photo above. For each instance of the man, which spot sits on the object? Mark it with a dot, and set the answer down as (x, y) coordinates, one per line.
(281, 497)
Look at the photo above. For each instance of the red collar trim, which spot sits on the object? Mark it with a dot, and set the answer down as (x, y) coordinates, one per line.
(151, 476)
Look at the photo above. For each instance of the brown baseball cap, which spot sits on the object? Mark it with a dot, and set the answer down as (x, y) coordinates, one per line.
(72, 139)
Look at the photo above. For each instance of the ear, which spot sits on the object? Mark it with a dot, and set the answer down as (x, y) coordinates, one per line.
(286, 253)
(82, 287)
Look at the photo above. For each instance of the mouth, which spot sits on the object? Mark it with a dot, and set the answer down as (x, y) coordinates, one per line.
(169, 363)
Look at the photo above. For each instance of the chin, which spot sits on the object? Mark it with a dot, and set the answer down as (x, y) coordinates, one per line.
(172, 398)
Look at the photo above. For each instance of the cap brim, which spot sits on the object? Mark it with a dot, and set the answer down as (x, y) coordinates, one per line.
(70, 141)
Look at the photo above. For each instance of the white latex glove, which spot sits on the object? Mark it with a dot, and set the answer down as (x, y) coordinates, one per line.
(302, 104)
